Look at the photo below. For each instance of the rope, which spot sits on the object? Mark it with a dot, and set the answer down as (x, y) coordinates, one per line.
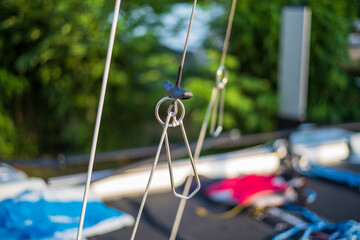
(343, 230)
(202, 212)
(205, 123)
(178, 79)
(151, 175)
(98, 116)
(352, 179)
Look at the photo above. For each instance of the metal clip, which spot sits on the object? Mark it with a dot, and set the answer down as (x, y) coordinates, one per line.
(175, 123)
(218, 111)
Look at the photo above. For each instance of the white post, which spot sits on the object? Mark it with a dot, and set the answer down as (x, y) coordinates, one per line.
(294, 63)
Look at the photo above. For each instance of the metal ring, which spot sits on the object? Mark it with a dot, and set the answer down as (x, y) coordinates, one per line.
(222, 75)
(175, 123)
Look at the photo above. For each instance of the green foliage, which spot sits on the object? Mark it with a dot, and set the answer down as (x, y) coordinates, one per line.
(332, 93)
(51, 66)
(53, 55)
(254, 45)
(250, 102)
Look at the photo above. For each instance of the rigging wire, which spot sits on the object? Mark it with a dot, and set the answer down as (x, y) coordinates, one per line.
(152, 171)
(181, 67)
(201, 138)
(98, 116)
(165, 127)
(228, 33)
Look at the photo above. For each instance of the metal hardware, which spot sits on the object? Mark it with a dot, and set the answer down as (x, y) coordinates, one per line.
(218, 108)
(176, 123)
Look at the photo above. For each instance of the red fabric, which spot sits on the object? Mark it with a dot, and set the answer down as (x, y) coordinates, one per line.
(243, 190)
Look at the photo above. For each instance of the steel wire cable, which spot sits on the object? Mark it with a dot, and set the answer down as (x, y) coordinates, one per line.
(205, 123)
(98, 116)
(152, 171)
(178, 79)
(164, 134)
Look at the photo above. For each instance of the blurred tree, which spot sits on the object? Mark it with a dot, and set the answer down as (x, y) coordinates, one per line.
(51, 66)
(53, 54)
(254, 46)
(333, 94)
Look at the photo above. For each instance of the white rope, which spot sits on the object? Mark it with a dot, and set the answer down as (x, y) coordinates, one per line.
(151, 175)
(98, 116)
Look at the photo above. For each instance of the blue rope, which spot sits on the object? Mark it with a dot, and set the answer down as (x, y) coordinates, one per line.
(306, 213)
(343, 230)
(341, 176)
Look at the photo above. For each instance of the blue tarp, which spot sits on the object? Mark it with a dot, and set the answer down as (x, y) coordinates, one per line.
(39, 215)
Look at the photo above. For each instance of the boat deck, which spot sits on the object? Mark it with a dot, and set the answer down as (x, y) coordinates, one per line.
(334, 202)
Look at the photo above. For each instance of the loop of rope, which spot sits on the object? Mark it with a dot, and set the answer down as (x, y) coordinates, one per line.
(98, 116)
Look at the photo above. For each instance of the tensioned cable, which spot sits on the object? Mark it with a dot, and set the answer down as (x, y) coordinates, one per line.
(178, 81)
(98, 115)
(152, 171)
(205, 123)
(228, 33)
